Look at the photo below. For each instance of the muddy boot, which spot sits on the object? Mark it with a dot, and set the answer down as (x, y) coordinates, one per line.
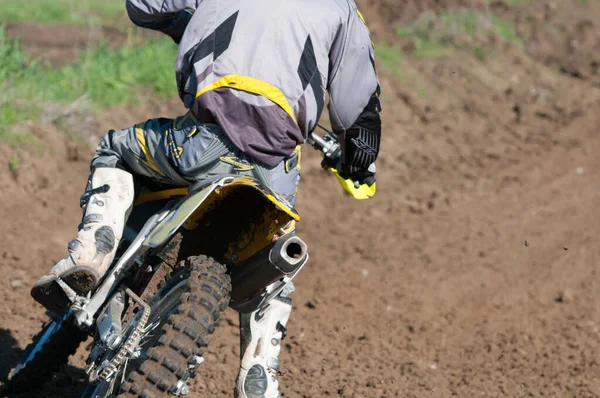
(109, 199)
(261, 336)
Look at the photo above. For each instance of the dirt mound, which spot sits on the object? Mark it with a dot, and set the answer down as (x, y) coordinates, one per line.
(408, 10)
(473, 272)
(384, 16)
(61, 44)
(562, 35)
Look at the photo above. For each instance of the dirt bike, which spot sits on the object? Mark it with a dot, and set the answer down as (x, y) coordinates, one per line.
(186, 255)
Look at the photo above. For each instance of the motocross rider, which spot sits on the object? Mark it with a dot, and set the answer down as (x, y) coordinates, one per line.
(253, 76)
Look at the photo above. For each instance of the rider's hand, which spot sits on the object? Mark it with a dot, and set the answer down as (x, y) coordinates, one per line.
(363, 176)
(329, 163)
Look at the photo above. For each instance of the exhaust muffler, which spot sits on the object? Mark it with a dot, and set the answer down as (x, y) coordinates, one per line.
(281, 258)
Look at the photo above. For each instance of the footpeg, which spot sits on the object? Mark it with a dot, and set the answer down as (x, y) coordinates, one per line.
(55, 295)
(71, 294)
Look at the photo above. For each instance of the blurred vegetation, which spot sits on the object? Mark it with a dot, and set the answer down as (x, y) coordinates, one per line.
(61, 11)
(452, 30)
(106, 77)
(14, 165)
(391, 57)
(444, 34)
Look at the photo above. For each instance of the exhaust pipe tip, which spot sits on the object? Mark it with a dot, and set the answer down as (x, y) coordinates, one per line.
(290, 254)
(294, 250)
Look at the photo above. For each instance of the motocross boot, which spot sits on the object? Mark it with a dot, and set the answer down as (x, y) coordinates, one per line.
(109, 198)
(261, 333)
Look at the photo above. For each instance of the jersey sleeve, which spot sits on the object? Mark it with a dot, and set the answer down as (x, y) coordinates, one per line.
(354, 90)
(167, 16)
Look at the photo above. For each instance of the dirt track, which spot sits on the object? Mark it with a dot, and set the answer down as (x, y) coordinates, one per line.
(472, 273)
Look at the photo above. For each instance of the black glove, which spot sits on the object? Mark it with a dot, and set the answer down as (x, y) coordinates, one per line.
(352, 162)
(359, 152)
(362, 176)
(360, 144)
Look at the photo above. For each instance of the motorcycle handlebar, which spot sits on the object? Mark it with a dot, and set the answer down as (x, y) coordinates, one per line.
(329, 146)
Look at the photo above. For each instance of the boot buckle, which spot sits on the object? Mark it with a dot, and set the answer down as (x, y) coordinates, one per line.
(282, 329)
(88, 194)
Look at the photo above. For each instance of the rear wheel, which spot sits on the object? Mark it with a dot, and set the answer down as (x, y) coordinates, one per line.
(49, 350)
(184, 312)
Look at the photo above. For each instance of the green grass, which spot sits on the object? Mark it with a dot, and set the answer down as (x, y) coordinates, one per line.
(60, 11)
(18, 139)
(108, 77)
(479, 53)
(506, 29)
(435, 35)
(13, 61)
(460, 21)
(419, 29)
(14, 165)
(391, 57)
(425, 48)
(512, 1)
(14, 64)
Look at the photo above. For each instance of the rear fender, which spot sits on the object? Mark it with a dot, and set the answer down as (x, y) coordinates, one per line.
(260, 213)
(182, 211)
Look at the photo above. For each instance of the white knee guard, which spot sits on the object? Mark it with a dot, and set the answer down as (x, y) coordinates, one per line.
(261, 334)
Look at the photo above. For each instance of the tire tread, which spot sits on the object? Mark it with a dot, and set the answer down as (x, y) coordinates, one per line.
(186, 333)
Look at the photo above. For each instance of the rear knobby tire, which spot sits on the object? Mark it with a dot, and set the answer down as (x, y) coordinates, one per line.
(184, 334)
(50, 357)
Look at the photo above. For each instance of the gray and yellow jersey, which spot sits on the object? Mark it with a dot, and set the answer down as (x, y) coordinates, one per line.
(261, 69)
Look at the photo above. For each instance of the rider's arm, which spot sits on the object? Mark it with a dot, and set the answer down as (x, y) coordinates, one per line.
(167, 16)
(354, 105)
